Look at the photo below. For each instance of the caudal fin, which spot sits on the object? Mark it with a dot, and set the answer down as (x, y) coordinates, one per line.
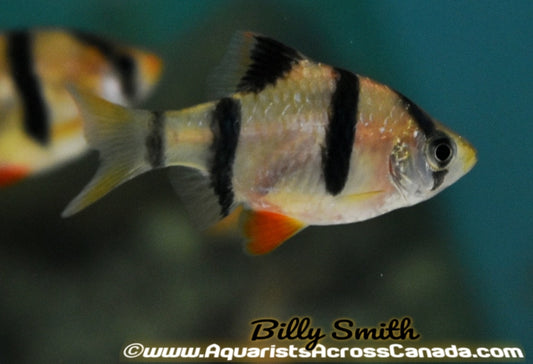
(118, 134)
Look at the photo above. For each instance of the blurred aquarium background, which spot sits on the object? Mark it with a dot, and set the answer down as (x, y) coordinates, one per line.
(132, 268)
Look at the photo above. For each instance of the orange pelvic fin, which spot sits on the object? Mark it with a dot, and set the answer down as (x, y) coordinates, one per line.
(266, 230)
(228, 226)
(12, 173)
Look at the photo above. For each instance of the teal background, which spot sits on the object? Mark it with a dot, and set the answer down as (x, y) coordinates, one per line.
(133, 269)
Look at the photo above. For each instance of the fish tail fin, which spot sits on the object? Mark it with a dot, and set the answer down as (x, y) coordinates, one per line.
(118, 134)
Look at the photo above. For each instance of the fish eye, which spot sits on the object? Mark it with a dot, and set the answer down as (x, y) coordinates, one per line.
(441, 151)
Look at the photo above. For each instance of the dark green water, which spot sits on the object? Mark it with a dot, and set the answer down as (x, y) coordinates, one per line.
(132, 268)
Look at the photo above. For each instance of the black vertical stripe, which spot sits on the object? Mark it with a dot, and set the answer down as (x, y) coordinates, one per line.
(154, 142)
(340, 133)
(419, 116)
(122, 62)
(19, 55)
(426, 124)
(226, 127)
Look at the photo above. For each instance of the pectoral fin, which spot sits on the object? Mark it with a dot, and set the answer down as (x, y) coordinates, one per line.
(359, 197)
(266, 230)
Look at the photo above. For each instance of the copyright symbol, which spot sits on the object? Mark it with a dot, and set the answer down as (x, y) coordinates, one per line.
(133, 350)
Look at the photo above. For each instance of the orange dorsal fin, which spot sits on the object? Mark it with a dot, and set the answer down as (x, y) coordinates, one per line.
(266, 230)
(11, 173)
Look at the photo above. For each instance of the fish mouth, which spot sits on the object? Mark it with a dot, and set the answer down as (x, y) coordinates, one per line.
(468, 154)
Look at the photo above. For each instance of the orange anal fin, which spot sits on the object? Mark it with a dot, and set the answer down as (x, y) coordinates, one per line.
(12, 173)
(266, 230)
